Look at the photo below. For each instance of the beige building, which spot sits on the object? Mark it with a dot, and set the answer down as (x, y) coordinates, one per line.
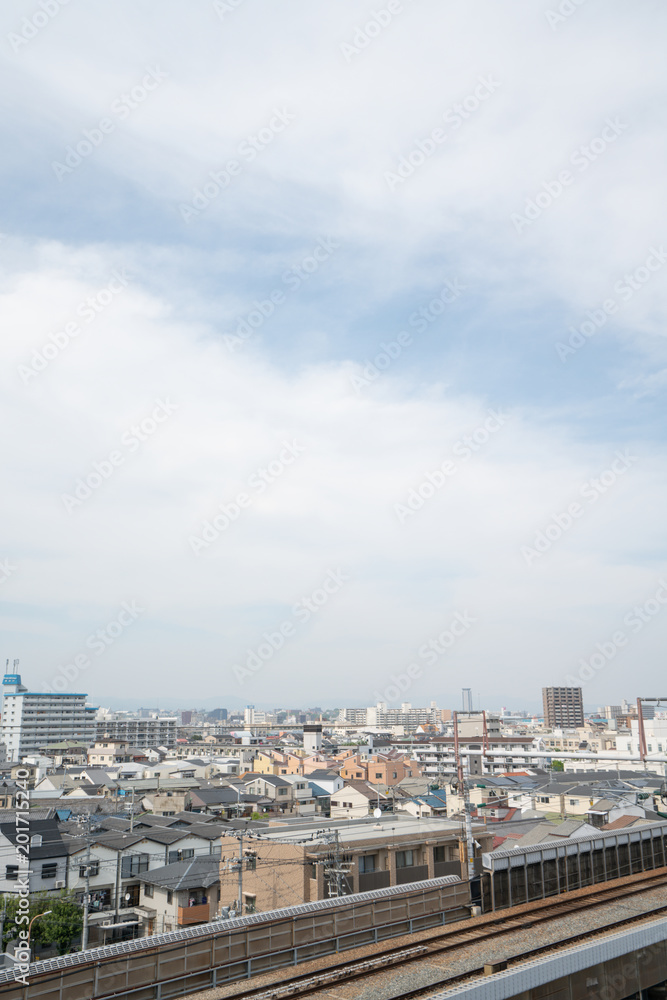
(356, 799)
(106, 753)
(294, 864)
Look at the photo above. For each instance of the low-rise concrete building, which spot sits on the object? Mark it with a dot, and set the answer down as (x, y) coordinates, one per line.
(295, 863)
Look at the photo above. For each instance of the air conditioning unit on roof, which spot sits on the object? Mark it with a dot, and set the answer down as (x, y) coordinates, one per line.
(60, 884)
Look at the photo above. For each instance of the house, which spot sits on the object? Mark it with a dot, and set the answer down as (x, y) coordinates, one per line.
(181, 894)
(433, 804)
(356, 799)
(47, 853)
(118, 859)
(106, 753)
(278, 790)
(226, 801)
(606, 811)
(303, 800)
(8, 790)
(327, 779)
(67, 752)
(383, 769)
(544, 832)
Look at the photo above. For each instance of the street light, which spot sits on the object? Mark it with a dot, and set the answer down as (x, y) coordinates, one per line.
(33, 920)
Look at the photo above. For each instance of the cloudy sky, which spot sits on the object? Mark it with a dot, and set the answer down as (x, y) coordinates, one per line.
(333, 350)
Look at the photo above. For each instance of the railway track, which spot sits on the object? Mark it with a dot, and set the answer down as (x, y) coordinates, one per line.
(492, 927)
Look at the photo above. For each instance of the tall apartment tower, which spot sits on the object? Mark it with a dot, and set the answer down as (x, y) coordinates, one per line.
(31, 720)
(563, 707)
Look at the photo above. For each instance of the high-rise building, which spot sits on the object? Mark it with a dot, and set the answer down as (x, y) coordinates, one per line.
(31, 720)
(563, 707)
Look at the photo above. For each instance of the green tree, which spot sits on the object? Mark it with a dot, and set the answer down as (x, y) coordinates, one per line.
(59, 927)
(557, 765)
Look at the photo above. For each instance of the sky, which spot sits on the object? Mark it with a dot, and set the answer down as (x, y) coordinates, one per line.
(333, 351)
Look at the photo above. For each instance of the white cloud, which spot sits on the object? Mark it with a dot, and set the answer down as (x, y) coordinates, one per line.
(333, 506)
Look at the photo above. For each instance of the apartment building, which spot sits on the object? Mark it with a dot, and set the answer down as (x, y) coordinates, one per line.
(563, 707)
(656, 737)
(380, 716)
(284, 867)
(140, 733)
(437, 761)
(33, 719)
(379, 769)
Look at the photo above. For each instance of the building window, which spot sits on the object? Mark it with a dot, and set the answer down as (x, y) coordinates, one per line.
(36, 840)
(148, 891)
(313, 870)
(134, 864)
(394, 774)
(12, 873)
(378, 774)
(170, 896)
(49, 870)
(250, 903)
(367, 863)
(181, 855)
(405, 859)
(439, 854)
(93, 868)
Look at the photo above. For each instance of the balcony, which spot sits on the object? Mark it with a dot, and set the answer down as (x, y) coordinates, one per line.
(193, 915)
(413, 873)
(368, 881)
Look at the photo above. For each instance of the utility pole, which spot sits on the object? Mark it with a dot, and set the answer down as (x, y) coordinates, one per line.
(240, 873)
(4, 913)
(335, 872)
(462, 789)
(86, 903)
(117, 889)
